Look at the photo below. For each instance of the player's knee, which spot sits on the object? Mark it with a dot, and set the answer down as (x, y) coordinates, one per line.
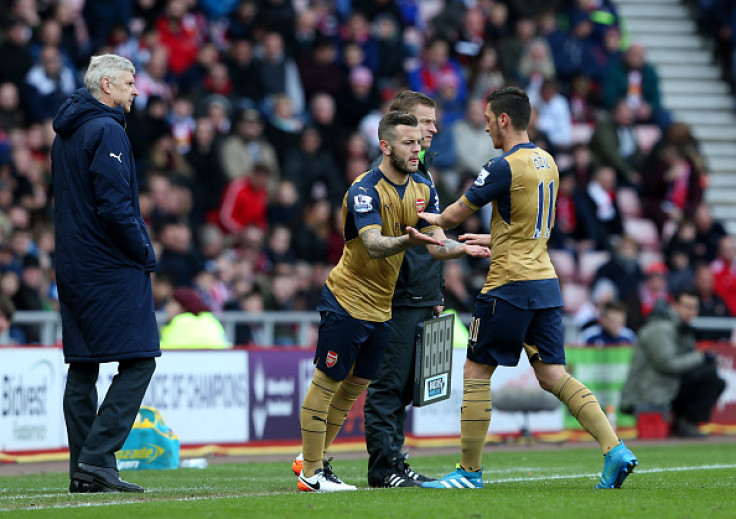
(474, 370)
(548, 374)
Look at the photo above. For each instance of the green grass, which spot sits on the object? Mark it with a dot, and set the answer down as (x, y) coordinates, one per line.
(673, 481)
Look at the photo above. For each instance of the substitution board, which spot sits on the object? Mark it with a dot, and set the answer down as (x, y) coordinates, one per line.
(433, 361)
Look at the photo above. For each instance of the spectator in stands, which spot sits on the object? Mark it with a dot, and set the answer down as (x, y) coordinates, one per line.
(320, 70)
(190, 323)
(278, 249)
(359, 99)
(566, 233)
(680, 257)
(582, 100)
(667, 372)
(553, 113)
(611, 329)
(178, 256)
(181, 32)
(471, 139)
(512, 48)
(283, 126)
(602, 292)
(310, 238)
(654, 288)
(285, 206)
(597, 214)
(387, 31)
(574, 51)
(357, 30)
(11, 113)
(614, 143)
(252, 303)
(711, 305)
(239, 60)
(437, 64)
(723, 268)
(709, 233)
(209, 178)
(277, 73)
(536, 65)
(247, 146)
(47, 84)
(312, 169)
(7, 310)
(15, 54)
(636, 80)
(193, 78)
(623, 270)
(672, 187)
(323, 116)
(30, 295)
(601, 13)
(245, 201)
(485, 74)
(152, 79)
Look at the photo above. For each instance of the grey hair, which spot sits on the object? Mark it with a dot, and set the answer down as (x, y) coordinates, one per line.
(105, 65)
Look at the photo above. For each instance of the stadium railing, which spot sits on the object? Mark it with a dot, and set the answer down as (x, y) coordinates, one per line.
(50, 324)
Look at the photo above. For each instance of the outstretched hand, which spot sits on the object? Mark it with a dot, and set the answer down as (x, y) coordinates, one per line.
(476, 239)
(430, 218)
(416, 237)
(477, 251)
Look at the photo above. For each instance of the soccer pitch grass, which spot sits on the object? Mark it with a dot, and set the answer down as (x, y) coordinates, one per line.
(678, 480)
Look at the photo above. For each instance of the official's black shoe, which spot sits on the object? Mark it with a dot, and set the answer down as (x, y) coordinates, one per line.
(403, 467)
(91, 479)
(398, 480)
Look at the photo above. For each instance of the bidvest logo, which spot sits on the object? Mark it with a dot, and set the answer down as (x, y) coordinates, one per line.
(146, 454)
(435, 387)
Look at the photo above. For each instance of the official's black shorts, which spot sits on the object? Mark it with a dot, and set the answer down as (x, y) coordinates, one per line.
(499, 331)
(344, 341)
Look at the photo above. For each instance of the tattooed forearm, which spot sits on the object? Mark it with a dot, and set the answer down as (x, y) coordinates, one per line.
(380, 246)
(450, 249)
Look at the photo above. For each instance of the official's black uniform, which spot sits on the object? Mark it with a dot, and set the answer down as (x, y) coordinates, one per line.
(418, 291)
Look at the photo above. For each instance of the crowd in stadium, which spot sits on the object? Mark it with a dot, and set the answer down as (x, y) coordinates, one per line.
(255, 115)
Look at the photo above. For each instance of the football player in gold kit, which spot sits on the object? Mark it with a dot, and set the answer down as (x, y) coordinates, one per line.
(380, 213)
(521, 288)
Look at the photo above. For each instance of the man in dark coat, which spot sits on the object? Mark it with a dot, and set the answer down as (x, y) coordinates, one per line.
(104, 259)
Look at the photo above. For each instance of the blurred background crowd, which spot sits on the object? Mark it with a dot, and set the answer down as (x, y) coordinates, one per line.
(255, 115)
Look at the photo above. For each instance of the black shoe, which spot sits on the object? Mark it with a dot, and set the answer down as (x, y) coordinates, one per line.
(403, 468)
(91, 479)
(398, 480)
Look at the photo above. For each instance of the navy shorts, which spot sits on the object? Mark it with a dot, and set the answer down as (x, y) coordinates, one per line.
(499, 331)
(345, 341)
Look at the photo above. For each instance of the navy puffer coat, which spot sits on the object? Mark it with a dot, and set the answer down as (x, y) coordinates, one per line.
(103, 255)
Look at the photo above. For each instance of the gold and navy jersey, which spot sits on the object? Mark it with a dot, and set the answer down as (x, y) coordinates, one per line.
(364, 286)
(522, 186)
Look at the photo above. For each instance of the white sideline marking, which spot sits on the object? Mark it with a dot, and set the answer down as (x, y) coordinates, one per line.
(206, 498)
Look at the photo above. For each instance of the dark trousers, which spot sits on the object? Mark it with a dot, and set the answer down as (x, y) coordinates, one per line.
(95, 435)
(698, 393)
(390, 392)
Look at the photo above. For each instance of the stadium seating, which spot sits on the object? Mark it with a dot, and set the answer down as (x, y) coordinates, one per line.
(589, 262)
(644, 232)
(564, 263)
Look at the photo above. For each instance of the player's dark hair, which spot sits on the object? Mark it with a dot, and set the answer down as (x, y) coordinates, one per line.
(406, 100)
(389, 122)
(513, 102)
